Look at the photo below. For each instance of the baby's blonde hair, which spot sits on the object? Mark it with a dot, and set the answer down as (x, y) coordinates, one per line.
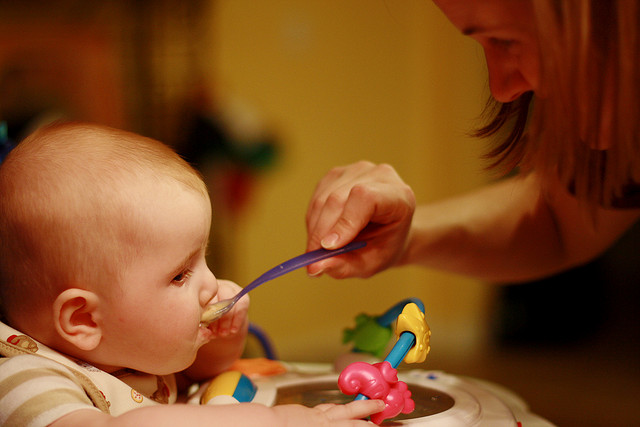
(68, 210)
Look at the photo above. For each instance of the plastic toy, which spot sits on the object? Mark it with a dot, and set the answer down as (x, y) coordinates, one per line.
(380, 380)
(230, 384)
(368, 336)
(412, 321)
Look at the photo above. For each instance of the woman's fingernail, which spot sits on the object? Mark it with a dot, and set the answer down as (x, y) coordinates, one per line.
(330, 241)
(316, 274)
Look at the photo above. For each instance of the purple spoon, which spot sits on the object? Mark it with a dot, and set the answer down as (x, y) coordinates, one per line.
(216, 310)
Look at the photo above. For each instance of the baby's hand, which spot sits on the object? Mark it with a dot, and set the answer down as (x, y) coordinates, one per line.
(235, 319)
(351, 414)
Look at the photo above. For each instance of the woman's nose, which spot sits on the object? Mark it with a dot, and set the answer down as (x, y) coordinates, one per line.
(506, 80)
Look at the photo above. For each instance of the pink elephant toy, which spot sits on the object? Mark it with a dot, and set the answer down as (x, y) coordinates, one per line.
(377, 381)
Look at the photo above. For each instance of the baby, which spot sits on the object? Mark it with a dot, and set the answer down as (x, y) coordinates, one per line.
(103, 281)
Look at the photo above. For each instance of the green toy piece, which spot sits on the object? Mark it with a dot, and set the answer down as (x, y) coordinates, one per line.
(368, 335)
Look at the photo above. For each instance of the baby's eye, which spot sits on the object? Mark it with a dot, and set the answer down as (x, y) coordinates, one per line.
(181, 278)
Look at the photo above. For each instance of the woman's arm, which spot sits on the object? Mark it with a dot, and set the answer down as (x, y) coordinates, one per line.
(508, 231)
(512, 231)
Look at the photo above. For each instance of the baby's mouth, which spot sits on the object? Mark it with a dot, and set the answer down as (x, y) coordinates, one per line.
(214, 311)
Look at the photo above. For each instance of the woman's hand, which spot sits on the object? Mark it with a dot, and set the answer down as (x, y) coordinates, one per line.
(362, 201)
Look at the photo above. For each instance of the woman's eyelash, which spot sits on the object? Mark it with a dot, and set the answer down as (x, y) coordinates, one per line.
(181, 278)
(503, 43)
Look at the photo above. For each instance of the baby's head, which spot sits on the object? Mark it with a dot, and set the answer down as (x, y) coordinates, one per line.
(79, 203)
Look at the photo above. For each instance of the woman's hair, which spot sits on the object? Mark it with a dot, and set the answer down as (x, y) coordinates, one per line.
(70, 213)
(585, 129)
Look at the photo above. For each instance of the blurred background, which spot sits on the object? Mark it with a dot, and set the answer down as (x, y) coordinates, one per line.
(264, 97)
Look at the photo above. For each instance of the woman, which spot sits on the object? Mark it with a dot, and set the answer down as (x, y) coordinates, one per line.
(563, 76)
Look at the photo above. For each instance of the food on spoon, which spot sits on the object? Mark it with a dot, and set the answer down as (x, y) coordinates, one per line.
(212, 311)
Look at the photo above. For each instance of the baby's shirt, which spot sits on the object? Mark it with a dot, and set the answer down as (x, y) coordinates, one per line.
(39, 385)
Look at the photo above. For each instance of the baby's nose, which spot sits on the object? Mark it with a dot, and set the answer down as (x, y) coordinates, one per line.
(209, 288)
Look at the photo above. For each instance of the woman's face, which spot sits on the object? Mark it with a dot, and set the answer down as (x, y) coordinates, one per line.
(506, 31)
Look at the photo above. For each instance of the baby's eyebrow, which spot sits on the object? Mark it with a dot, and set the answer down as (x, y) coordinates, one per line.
(186, 261)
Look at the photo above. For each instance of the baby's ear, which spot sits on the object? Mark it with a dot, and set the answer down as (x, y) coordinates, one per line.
(75, 314)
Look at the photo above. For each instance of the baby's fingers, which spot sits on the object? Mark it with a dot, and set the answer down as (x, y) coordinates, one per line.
(239, 313)
(353, 410)
(232, 322)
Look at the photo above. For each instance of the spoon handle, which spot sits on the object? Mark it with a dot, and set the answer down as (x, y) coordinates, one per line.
(298, 262)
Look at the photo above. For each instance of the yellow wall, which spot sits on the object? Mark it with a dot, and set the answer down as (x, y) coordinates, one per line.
(339, 81)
